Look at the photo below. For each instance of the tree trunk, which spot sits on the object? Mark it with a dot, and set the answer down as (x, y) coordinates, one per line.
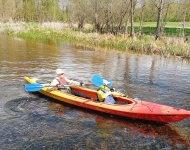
(80, 23)
(141, 19)
(126, 27)
(183, 27)
(132, 19)
(95, 16)
(158, 28)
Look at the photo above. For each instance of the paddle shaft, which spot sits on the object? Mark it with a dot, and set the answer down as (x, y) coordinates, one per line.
(36, 87)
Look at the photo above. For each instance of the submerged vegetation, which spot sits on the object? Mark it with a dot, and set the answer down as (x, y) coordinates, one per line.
(166, 46)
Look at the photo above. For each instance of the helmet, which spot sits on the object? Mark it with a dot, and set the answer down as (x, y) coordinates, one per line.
(59, 71)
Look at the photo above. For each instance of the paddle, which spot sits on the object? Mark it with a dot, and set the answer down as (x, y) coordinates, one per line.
(34, 87)
(98, 81)
(110, 83)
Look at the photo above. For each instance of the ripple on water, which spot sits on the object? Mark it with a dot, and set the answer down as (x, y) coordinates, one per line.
(21, 106)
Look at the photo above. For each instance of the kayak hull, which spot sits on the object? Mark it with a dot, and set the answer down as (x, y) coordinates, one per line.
(124, 106)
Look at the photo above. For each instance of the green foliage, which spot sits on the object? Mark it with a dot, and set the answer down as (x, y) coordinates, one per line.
(9, 32)
(166, 46)
(30, 10)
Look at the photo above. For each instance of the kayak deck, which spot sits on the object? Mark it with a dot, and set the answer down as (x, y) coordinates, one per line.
(124, 106)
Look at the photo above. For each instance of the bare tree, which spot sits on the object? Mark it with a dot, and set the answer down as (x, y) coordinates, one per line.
(132, 18)
(123, 14)
(79, 12)
(167, 8)
(7, 10)
(96, 16)
(142, 3)
(184, 13)
(159, 6)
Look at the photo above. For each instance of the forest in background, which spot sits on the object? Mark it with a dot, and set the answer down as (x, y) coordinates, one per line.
(113, 11)
(106, 16)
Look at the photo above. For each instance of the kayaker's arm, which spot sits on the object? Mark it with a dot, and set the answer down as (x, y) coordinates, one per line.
(113, 91)
(55, 85)
(72, 82)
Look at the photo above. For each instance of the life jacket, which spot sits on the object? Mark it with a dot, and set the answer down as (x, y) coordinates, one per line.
(62, 81)
(103, 92)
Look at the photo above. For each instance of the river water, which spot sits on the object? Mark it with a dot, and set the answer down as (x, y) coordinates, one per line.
(33, 121)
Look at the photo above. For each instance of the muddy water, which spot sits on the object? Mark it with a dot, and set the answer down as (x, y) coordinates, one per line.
(32, 121)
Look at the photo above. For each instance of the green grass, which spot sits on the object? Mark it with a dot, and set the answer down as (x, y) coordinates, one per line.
(149, 28)
(168, 24)
(168, 31)
(168, 45)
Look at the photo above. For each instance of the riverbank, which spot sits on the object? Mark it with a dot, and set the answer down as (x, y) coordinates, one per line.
(167, 46)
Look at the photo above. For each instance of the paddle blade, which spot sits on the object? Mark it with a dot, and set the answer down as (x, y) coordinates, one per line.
(110, 83)
(33, 87)
(97, 80)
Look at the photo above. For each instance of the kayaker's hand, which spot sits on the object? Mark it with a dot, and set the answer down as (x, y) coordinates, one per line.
(53, 88)
(58, 86)
(112, 89)
(82, 84)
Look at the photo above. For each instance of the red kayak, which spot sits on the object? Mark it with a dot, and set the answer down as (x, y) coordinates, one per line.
(124, 106)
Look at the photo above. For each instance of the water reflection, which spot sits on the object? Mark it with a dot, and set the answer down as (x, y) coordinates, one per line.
(107, 126)
(53, 115)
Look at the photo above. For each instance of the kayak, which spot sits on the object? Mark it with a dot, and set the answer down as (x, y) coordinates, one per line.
(124, 106)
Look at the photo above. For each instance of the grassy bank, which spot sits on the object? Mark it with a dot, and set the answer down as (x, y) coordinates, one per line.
(167, 46)
(168, 31)
(168, 24)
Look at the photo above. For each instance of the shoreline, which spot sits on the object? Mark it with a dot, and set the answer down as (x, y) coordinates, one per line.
(55, 31)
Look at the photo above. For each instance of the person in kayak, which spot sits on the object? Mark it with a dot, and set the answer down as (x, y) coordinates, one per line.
(61, 80)
(104, 93)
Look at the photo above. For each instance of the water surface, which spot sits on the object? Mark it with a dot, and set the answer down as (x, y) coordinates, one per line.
(33, 121)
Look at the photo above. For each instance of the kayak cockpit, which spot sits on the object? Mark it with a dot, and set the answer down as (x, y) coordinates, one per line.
(92, 94)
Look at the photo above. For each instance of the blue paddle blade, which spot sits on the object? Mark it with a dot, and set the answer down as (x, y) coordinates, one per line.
(110, 83)
(33, 87)
(97, 80)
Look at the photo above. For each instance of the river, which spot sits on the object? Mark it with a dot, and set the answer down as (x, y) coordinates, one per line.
(33, 121)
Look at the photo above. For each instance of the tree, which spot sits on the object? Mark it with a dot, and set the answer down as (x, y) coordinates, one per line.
(28, 10)
(184, 14)
(133, 4)
(7, 10)
(123, 15)
(159, 6)
(132, 18)
(142, 6)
